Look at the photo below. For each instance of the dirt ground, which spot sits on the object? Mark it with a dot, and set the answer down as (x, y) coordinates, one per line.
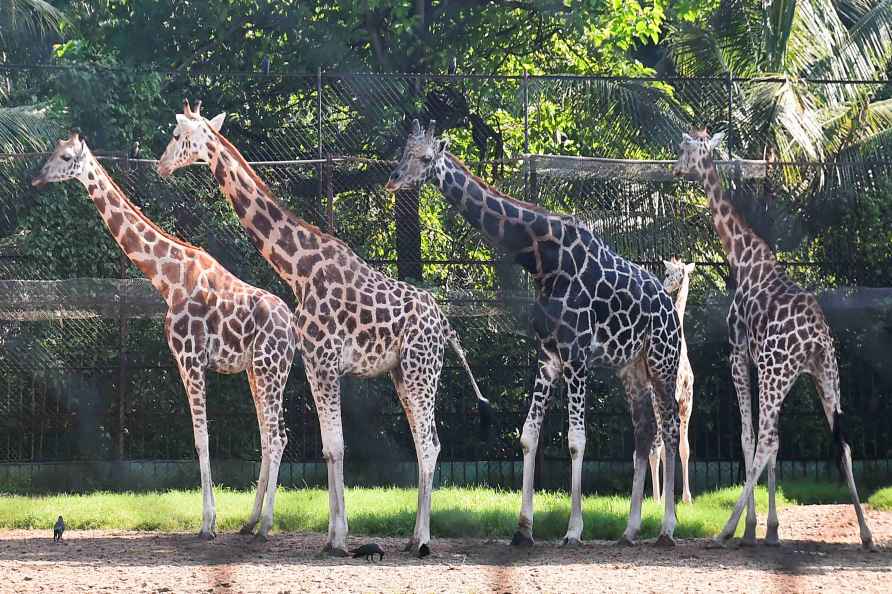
(820, 552)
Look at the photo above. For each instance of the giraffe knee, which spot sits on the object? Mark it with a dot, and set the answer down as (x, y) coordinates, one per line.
(576, 442)
(529, 439)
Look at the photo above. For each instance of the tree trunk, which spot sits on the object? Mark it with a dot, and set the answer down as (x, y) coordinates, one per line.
(408, 235)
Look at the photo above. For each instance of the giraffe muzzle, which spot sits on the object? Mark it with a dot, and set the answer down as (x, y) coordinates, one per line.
(39, 182)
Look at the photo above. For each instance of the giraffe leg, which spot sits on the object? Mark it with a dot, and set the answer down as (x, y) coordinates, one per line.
(771, 536)
(684, 450)
(827, 383)
(193, 380)
(327, 396)
(417, 389)
(641, 407)
(546, 376)
(774, 383)
(271, 381)
(666, 415)
(575, 376)
(654, 459)
(263, 477)
(740, 372)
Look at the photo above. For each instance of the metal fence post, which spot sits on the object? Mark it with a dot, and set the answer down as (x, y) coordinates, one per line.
(328, 173)
(123, 331)
(526, 133)
(319, 110)
(730, 86)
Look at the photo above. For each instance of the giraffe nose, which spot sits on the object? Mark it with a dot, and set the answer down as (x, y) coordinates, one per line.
(393, 181)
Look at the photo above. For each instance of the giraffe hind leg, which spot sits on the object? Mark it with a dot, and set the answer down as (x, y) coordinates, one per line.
(263, 477)
(827, 384)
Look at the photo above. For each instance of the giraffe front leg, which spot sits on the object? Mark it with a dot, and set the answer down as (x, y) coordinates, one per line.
(195, 389)
(641, 407)
(656, 454)
(575, 377)
(547, 374)
(771, 531)
(740, 372)
(327, 396)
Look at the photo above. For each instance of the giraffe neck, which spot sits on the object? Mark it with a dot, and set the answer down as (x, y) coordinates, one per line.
(742, 246)
(681, 300)
(518, 227)
(291, 245)
(157, 254)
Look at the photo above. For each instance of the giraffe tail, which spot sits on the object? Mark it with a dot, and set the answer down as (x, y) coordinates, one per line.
(840, 443)
(483, 403)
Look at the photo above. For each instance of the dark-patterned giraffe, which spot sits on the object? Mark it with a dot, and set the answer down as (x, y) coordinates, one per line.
(351, 318)
(776, 325)
(214, 322)
(592, 308)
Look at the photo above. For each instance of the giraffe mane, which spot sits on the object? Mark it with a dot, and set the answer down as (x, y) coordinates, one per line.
(139, 213)
(262, 186)
(497, 192)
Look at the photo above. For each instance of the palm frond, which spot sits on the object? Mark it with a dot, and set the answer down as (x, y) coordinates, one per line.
(28, 19)
(26, 129)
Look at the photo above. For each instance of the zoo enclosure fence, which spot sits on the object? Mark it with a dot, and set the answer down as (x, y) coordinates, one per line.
(86, 376)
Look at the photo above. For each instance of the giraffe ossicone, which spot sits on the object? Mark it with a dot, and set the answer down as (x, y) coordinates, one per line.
(775, 325)
(592, 307)
(214, 322)
(351, 318)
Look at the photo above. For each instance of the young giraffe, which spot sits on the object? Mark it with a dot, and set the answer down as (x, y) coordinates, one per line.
(678, 279)
(214, 322)
(592, 308)
(351, 318)
(776, 325)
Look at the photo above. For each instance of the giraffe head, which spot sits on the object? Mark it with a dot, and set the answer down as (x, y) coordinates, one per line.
(190, 139)
(695, 148)
(68, 161)
(676, 271)
(422, 152)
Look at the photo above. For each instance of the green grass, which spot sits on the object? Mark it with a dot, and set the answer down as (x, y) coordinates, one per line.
(882, 499)
(472, 512)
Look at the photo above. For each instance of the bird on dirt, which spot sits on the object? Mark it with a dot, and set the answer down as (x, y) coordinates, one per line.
(58, 529)
(368, 551)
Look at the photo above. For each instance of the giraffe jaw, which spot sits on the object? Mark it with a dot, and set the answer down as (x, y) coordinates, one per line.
(39, 182)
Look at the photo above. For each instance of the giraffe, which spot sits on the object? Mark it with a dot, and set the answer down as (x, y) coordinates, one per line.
(214, 322)
(592, 307)
(775, 325)
(678, 280)
(351, 318)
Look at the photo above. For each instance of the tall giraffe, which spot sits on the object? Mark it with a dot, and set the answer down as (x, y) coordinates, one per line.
(351, 318)
(776, 325)
(214, 322)
(678, 280)
(592, 308)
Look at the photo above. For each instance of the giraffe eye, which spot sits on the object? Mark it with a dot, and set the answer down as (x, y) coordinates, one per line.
(66, 158)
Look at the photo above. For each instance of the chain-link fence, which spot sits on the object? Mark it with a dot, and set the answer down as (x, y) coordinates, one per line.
(85, 374)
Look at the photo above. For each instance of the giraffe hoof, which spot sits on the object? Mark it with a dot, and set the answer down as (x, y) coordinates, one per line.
(665, 541)
(207, 535)
(521, 540)
(246, 530)
(260, 538)
(717, 543)
(571, 541)
(423, 551)
(869, 546)
(625, 541)
(687, 499)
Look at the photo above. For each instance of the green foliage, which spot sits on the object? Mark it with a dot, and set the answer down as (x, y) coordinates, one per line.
(882, 499)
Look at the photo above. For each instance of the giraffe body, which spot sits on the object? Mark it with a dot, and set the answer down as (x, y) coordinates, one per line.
(678, 279)
(776, 326)
(593, 308)
(351, 318)
(214, 322)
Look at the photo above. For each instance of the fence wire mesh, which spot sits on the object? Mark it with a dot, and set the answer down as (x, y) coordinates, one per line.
(85, 373)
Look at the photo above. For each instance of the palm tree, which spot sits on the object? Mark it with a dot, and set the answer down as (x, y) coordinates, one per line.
(794, 45)
(25, 28)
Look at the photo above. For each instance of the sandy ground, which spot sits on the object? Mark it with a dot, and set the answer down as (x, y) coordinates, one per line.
(820, 552)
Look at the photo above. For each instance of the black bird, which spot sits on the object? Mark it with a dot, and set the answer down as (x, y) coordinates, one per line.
(134, 150)
(58, 529)
(369, 551)
(264, 65)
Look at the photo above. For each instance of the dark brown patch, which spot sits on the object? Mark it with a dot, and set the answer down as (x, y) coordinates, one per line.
(130, 241)
(115, 221)
(262, 224)
(160, 249)
(286, 240)
(280, 263)
(220, 172)
(306, 263)
(99, 201)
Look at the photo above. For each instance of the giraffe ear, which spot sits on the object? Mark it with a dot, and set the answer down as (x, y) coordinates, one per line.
(416, 127)
(431, 128)
(667, 263)
(442, 145)
(217, 121)
(689, 268)
(716, 140)
(181, 119)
